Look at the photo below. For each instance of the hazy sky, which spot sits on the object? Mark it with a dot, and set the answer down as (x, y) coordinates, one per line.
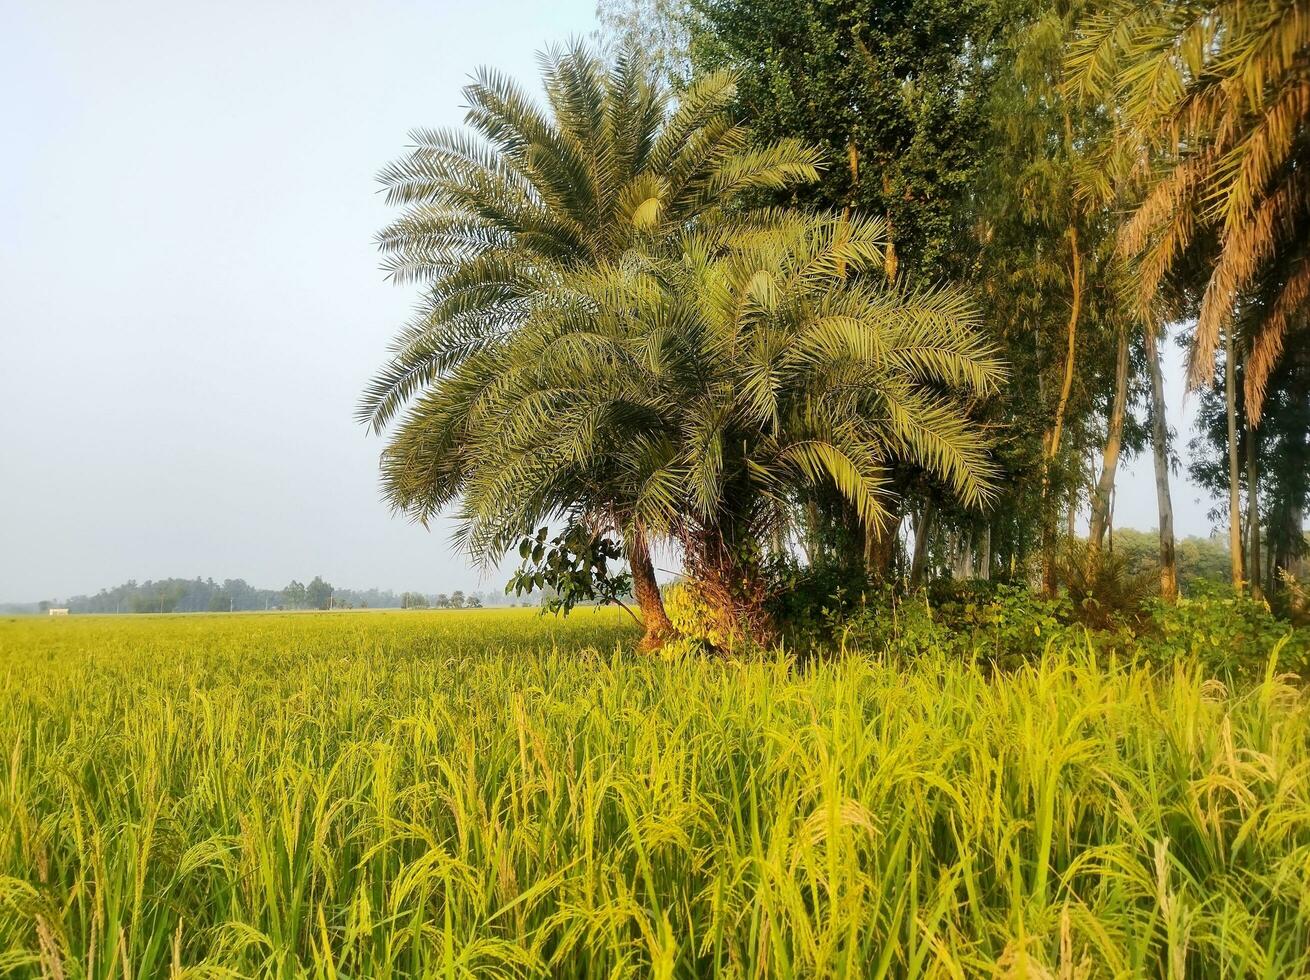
(189, 294)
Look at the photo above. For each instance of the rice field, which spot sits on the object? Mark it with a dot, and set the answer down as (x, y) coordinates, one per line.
(494, 794)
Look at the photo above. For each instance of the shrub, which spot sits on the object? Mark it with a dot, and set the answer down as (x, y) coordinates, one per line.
(1104, 591)
(695, 620)
(1226, 633)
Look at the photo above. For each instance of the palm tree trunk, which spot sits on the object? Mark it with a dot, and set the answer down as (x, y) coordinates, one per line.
(985, 554)
(1113, 443)
(647, 593)
(880, 546)
(1160, 451)
(723, 567)
(1234, 469)
(1253, 509)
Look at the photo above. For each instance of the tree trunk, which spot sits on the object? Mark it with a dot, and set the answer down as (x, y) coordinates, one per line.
(880, 546)
(985, 554)
(1113, 443)
(1234, 495)
(1253, 510)
(1160, 450)
(1075, 310)
(1062, 407)
(1296, 565)
(647, 593)
(731, 585)
(922, 531)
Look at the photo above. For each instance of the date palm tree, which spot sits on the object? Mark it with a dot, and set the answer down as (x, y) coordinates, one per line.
(1213, 100)
(696, 394)
(1213, 97)
(500, 214)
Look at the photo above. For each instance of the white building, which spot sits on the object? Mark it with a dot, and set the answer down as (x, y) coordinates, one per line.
(58, 612)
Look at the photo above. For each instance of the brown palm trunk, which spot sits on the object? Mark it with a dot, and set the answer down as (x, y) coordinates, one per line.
(735, 591)
(1160, 450)
(880, 540)
(1234, 469)
(647, 593)
(1113, 442)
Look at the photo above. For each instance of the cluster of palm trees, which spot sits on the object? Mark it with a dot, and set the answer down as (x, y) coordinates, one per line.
(1211, 141)
(613, 334)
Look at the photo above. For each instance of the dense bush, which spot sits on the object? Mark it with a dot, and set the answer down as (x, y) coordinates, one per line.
(1008, 625)
(1226, 633)
(1104, 592)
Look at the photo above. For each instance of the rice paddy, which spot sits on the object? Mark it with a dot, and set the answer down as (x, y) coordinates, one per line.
(496, 794)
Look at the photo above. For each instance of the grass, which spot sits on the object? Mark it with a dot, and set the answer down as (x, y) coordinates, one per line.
(482, 794)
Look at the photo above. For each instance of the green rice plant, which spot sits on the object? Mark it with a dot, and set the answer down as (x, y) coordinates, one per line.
(500, 794)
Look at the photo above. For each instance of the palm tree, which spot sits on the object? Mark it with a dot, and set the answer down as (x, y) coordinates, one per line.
(496, 217)
(695, 395)
(1214, 100)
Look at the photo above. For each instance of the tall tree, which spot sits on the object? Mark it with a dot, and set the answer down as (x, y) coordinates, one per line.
(496, 216)
(318, 593)
(1102, 496)
(701, 392)
(894, 93)
(1211, 99)
(1049, 271)
(1160, 458)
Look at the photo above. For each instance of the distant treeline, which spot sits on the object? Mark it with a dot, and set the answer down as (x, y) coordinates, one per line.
(236, 595)
(1198, 559)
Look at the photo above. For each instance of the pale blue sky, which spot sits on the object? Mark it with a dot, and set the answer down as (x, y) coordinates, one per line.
(189, 295)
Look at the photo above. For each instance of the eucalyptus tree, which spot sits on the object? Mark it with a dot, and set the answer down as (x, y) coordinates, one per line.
(1055, 285)
(498, 214)
(698, 393)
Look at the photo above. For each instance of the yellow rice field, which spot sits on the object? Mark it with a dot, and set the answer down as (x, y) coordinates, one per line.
(496, 794)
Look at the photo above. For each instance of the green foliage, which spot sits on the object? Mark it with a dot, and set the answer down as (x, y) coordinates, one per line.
(1228, 634)
(811, 601)
(1006, 626)
(699, 625)
(499, 794)
(1103, 589)
(1200, 560)
(898, 85)
(992, 623)
(571, 568)
(318, 594)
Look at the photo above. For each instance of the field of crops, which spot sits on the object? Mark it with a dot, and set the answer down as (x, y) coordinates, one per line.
(481, 794)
